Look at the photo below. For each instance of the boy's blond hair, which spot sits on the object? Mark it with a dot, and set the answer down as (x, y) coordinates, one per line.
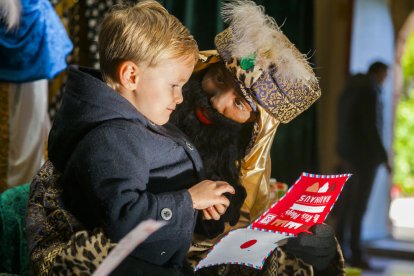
(145, 34)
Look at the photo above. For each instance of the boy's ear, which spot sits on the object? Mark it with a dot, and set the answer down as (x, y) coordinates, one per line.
(128, 75)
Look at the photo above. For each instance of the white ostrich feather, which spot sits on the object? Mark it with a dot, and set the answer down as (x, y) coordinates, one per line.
(10, 13)
(255, 32)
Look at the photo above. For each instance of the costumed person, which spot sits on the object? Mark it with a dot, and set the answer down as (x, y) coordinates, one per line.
(120, 161)
(255, 81)
(33, 49)
(362, 151)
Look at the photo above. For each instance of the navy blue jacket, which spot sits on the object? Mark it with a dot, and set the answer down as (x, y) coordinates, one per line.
(120, 169)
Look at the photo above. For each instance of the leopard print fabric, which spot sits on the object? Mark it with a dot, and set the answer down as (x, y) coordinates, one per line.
(83, 254)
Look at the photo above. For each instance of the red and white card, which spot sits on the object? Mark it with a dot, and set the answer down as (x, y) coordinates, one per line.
(308, 202)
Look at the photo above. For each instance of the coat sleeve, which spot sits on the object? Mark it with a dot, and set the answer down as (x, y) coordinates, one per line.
(112, 167)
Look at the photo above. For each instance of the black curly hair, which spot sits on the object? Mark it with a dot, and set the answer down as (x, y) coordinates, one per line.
(222, 145)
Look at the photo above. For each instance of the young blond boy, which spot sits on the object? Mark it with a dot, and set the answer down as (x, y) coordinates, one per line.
(121, 162)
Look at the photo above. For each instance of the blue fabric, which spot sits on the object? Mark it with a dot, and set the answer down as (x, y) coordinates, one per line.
(37, 49)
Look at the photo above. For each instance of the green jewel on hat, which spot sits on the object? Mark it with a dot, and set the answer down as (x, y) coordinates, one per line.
(248, 62)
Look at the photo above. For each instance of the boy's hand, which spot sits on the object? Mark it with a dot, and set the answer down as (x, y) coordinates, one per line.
(208, 193)
(214, 212)
(231, 213)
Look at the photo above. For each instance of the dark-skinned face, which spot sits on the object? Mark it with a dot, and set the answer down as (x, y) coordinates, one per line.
(225, 95)
(221, 142)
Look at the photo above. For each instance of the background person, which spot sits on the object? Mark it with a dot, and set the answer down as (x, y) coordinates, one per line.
(361, 148)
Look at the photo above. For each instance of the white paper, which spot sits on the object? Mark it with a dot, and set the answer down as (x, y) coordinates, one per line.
(126, 245)
(243, 246)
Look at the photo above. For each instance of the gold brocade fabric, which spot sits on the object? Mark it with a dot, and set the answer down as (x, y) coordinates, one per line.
(48, 225)
(4, 134)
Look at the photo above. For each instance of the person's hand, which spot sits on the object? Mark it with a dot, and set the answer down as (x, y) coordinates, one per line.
(208, 193)
(317, 249)
(214, 212)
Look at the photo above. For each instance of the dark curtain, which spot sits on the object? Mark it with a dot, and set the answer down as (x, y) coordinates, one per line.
(295, 146)
(201, 17)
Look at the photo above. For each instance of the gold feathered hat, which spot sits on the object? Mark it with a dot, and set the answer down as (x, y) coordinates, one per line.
(268, 68)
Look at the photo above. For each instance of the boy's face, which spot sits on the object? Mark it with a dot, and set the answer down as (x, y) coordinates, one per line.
(159, 88)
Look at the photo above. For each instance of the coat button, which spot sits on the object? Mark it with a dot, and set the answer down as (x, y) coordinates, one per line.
(189, 145)
(166, 213)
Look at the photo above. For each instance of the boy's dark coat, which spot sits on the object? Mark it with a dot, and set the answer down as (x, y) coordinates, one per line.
(120, 169)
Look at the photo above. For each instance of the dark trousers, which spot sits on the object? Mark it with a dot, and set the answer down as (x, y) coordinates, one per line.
(352, 204)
